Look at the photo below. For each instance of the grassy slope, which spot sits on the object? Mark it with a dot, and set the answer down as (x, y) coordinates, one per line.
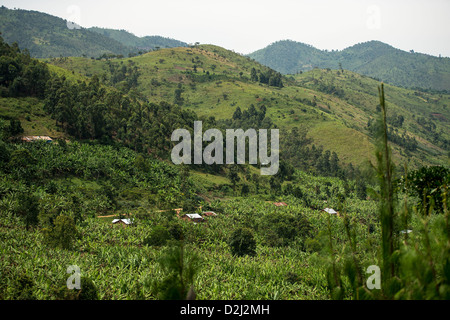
(337, 123)
(30, 111)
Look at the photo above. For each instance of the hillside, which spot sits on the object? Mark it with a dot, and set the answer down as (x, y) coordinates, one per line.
(48, 36)
(375, 59)
(334, 108)
(268, 237)
(140, 43)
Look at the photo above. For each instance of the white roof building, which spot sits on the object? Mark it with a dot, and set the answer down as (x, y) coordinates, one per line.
(125, 221)
(36, 138)
(209, 213)
(330, 211)
(194, 216)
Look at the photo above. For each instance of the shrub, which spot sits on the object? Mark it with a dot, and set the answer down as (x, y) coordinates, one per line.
(22, 289)
(242, 242)
(175, 230)
(281, 229)
(4, 153)
(179, 267)
(158, 237)
(88, 291)
(312, 245)
(63, 233)
(292, 277)
(28, 208)
(426, 184)
(22, 158)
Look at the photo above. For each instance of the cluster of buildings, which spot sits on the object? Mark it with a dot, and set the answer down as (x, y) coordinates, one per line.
(194, 217)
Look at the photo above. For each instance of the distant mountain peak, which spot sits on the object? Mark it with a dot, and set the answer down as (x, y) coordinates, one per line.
(372, 58)
(48, 36)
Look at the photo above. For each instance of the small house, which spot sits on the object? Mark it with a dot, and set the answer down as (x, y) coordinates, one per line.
(330, 211)
(209, 214)
(122, 222)
(195, 217)
(37, 138)
(280, 204)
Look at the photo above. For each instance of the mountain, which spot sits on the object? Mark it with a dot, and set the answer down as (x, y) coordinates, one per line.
(112, 120)
(337, 109)
(141, 43)
(289, 57)
(374, 58)
(47, 36)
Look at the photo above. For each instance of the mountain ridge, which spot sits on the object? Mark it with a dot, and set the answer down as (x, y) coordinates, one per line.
(372, 58)
(144, 43)
(213, 81)
(46, 36)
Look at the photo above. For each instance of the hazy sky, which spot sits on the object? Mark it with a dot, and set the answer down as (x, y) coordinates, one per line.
(249, 25)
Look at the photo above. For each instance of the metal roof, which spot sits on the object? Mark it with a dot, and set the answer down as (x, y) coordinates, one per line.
(194, 216)
(330, 211)
(34, 138)
(126, 221)
(280, 204)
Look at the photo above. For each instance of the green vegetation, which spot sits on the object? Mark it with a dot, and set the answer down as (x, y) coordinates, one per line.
(111, 122)
(374, 59)
(47, 36)
(412, 268)
(335, 110)
(242, 242)
(140, 43)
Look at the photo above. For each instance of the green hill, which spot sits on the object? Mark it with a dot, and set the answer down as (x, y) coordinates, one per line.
(49, 36)
(335, 108)
(112, 119)
(375, 59)
(141, 43)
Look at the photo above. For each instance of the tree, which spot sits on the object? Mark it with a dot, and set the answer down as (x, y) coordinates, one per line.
(334, 164)
(254, 75)
(242, 242)
(158, 237)
(179, 267)
(233, 175)
(88, 291)
(361, 189)
(426, 184)
(28, 208)
(275, 184)
(5, 154)
(15, 127)
(178, 99)
(245, 190)
(62, 234)
(22, 288)
(237, 114)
